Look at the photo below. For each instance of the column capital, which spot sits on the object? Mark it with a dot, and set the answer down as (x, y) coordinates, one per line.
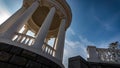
(28, 3)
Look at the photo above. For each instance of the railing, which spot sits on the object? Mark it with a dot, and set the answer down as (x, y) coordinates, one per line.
(25, 42)
(28, 40)
(48, 49)
(108, 55)
(24, 39)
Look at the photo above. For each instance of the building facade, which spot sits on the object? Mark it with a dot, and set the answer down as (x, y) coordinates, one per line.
(104, 55)
(79, 62)
(98, 58)
(25, 35)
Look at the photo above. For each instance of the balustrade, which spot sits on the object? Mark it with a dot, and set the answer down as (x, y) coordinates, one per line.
(48, 49)
(24, 39)
(108, 55)
(28, 40)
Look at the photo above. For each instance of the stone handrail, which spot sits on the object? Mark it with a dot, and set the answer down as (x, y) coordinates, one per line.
(28, 40)
(24, 39)
(47, 55)
(108, 55)
(48, 49)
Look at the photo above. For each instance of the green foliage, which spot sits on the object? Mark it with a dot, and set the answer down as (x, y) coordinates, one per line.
(114, 45)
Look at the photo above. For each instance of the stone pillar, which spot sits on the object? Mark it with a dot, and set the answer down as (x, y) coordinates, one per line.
(25, 30)
(93, 56)
(4, 26)
(54, 43)
(21, 21)
(42, 33)
(60, 41)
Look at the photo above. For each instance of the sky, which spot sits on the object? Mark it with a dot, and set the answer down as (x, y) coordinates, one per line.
(94, 22)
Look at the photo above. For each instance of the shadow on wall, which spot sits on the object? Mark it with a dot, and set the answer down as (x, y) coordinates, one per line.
(79, 62)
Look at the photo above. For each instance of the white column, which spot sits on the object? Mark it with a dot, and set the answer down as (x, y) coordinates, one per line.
(25, 30)
(42, 33)
(21, 21)
(60, 41)
(11, 20)
(54, 43)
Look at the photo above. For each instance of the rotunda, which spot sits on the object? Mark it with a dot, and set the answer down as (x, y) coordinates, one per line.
(24, 37)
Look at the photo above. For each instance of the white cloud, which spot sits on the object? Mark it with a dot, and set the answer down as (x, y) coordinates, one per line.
(85, 41)
(71, 31)
(4, 13)
(105, 44)
(108, 22)
(75, 48)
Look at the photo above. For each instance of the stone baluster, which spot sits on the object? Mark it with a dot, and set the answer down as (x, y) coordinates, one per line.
(28, 41)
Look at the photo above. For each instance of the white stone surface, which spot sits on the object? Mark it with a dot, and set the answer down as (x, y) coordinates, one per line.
(4, 26)
(44, 29)
(93, 56)
(21, 21)
(60, 41)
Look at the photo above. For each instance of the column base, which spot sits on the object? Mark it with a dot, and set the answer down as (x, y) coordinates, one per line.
(16, 57)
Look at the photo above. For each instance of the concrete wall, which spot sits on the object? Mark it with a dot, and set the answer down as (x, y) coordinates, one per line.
(15, 57)
(79, 62)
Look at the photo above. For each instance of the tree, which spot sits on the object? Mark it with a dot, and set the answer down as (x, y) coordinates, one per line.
(115, 53)
(114, 45)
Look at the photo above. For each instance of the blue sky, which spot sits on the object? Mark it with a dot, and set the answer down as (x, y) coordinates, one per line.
(94, 22)
(8, 7)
